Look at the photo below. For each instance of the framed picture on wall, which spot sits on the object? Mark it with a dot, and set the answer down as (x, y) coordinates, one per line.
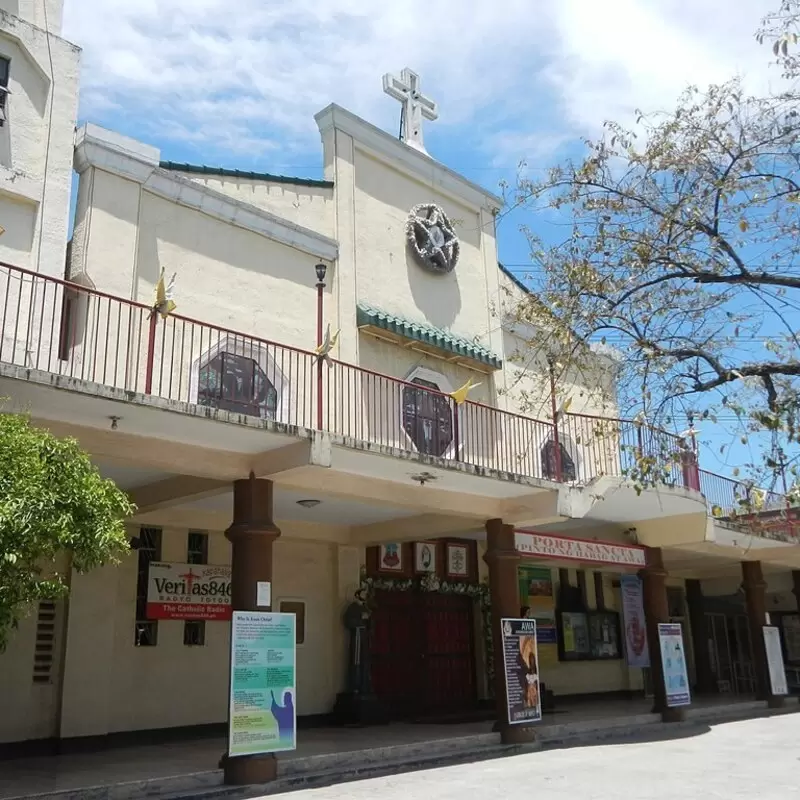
(457, 565)
(390, 558)
(604, 635)
(424, 557)
(574, 643)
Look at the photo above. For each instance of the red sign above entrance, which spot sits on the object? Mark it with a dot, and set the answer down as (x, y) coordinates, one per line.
(543, 545)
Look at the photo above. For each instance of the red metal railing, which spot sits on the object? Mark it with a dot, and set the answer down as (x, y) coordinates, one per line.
(78, 332)
(728, 497)
(364, 405)
(596, 446)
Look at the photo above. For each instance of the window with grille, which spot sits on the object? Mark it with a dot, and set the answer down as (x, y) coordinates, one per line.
(5, 72)
(149, 549)
(194, 630)
(44, 652)
(555, 456)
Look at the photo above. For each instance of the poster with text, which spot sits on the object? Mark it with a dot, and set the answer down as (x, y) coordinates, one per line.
(521, 665)
(673, 661)
(536, 592)
(633, 621)
(777, 670)
(261, 716)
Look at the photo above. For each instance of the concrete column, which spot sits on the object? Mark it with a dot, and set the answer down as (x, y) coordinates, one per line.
(704, 675)
(796, 584)
(503, 560)
(656, 610)
(755, 594)
(251, 536)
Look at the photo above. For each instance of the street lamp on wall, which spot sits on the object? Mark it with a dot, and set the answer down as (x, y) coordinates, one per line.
(321, 270)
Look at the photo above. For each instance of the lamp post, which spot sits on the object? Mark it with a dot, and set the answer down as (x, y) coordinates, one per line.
(321, 271)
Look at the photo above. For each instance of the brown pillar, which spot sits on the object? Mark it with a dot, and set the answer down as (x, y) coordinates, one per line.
(704, 675)
(503, 560)
(656, 610)
(796, 589)
(755, 595)
(251, 535)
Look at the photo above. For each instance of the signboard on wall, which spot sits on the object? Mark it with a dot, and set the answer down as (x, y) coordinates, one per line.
(188, 591)
(777, 670)
(536, 592)
(521, 664)
(673, 661)
(636, 652)
(563, 548)
(262, 715)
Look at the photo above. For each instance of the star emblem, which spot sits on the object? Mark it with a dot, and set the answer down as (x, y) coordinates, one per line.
(432, 238)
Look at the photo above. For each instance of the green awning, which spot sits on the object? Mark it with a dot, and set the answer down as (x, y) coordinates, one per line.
(435, 338)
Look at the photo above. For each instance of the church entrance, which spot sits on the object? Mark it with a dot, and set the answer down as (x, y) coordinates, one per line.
(423, 653)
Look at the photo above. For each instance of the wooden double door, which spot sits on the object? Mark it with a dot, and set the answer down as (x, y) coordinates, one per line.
(423, 653)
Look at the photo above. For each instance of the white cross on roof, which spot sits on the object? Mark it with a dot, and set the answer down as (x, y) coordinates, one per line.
(415, 105)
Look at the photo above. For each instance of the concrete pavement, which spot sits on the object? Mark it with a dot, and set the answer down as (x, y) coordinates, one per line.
(753, 758)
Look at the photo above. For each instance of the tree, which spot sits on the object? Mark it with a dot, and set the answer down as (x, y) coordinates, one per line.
(53, 504)
(782, 31)
(683, 251)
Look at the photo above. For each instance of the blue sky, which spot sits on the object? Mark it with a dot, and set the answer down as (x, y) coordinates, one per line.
(237, 84)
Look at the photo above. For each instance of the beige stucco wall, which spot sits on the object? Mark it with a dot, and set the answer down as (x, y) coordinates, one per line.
(36, 141)
(29, 710)
(111, 685)
(387, 274)
(309, 206)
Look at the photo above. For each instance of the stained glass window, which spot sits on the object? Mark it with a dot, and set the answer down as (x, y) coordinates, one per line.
(427, 417)
(234, 382)
(550, 462)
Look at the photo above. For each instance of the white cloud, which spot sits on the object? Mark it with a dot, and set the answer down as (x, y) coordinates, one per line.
(512, 75)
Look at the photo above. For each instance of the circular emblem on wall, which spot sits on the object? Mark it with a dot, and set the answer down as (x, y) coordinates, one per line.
(432, 238)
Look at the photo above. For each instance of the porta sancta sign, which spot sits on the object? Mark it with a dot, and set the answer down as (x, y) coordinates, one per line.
(543, 545)
(188, 591)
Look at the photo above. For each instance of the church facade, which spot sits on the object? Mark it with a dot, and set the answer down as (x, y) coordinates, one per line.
(341, 401)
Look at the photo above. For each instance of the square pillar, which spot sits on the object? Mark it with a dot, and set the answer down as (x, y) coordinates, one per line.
(755, 594)
(251, 535)
(503, 561)
(656, 610)
(704, 674)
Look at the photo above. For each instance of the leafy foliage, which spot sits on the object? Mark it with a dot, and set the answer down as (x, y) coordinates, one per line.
(684, 252)
(53, 502)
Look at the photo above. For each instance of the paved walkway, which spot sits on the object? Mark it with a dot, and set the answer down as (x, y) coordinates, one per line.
(730, 761)
(197, 759)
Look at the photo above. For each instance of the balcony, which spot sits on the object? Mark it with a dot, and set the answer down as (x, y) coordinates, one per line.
(82, 336)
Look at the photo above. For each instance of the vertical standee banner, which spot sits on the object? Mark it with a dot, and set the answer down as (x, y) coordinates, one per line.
(261, 714)
(777, 670)
(673, 661)
(521, 663)
(636, 651)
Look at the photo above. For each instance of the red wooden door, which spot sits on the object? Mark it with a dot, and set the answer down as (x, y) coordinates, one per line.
(423, 655)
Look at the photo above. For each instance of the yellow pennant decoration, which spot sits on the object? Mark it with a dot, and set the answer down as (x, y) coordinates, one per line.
(162, 302)
(323, 350)
(460, 395)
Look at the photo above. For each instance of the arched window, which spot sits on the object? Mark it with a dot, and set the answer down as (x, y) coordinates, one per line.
(427, 415)
(550, 465)
(237, 377)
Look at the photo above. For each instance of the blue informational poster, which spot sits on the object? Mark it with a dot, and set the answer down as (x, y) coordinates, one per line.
(262, 716)
(673, 660)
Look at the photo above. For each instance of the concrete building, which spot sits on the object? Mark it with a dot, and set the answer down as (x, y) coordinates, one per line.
(38, 105)
(359, 470)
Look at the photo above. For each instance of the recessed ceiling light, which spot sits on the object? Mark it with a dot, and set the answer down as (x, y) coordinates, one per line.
(308, 503)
